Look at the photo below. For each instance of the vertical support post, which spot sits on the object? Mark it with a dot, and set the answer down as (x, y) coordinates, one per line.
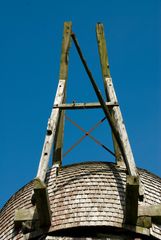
(132, 183)
(59, 98)
(111, 96)
(63, 74)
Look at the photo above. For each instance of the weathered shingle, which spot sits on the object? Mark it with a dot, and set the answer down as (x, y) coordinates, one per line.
(85, 194)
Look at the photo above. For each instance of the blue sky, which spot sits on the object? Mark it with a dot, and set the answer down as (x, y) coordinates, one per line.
(30, 47)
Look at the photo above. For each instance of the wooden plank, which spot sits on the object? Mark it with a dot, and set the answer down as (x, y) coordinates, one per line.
(60, 95)
(116, 113)
(42, 203)
(132, 194)
(23, 215)
(151, 211)
(75, 106)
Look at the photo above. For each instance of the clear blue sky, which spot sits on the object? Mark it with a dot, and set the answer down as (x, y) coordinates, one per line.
(30, 46)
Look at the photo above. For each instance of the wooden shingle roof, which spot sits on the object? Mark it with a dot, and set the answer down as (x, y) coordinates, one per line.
(83, 195)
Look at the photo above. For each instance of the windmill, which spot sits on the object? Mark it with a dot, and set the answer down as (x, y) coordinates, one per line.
(97, 200)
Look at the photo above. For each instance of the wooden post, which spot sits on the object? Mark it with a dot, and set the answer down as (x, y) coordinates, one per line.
(132, 184)
(42, 203)
(63, 74)
(132, 194)
(106, 73)
(59, 98)
(111, 96)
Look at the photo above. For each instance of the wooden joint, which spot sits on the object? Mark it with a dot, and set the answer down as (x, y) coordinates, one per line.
(42, 203)
(132, 195)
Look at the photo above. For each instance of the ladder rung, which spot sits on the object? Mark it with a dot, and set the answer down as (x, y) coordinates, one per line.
(73, 106)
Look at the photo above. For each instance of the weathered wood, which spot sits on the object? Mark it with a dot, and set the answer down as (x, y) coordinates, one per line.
(151, 211)
(116, 113)
(66, 42)
(144, 221)
(58, 141)
(42, 203)
(137, 229)
(132, 194)
(60, 95)
(23, 215)
(106, 73)
(77, 106)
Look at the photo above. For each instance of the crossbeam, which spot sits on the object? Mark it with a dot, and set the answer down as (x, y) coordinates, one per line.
(150, 210)
(77, 106)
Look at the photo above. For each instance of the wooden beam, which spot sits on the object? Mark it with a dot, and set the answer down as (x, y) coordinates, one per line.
(58, 142)
(150, 210)
(66, 42)
(132, 194)
(126, 151)
(42, 203)
(106, 73)
(60, 95)
(77, 106)
(23, 215)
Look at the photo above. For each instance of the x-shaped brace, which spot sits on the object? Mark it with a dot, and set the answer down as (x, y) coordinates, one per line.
(87, 134)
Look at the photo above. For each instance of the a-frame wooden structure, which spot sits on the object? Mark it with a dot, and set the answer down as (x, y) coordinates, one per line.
(54, 138)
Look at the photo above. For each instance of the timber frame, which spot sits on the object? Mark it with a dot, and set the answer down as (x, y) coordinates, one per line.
(135, 215)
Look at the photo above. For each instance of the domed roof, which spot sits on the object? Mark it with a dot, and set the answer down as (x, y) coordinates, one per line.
(88, 196)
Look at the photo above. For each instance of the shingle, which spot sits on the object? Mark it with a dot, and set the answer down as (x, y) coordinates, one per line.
(85, 194)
